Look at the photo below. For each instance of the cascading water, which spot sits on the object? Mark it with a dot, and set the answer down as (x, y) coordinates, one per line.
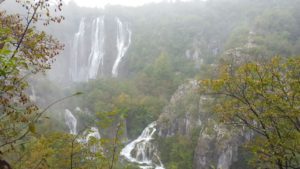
(77, 72)
(123, 43)
(87, 61)
(71, 121)
(92, 133)
(97, 51)
(83, 69)
(142, 151)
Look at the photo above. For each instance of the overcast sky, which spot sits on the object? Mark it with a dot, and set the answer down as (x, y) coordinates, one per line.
(102, 3)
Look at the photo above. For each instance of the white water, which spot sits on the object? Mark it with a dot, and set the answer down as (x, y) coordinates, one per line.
(97, 50)
(71, 121)
(84, 68)
(92, 133)
(78, 43)
(142, 151)
(123, 43)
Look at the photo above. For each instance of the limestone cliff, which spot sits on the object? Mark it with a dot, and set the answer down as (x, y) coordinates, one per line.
(217, 145)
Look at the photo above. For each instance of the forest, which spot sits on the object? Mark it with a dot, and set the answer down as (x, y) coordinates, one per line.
(192, 84)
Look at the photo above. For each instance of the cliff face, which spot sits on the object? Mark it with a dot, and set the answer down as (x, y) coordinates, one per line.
(181, 115)
(216, 145)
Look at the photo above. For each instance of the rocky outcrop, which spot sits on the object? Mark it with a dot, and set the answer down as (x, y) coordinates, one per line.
(217, 144)
(181, 115)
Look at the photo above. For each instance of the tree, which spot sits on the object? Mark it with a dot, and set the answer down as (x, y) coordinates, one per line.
(23, 51)
(58, 150)
(264, 98)
(113, 123)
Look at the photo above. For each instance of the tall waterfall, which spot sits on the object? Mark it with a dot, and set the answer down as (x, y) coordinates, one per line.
(123, 43)
(142, 151)
(97, 51)
(89, 48)
(71, 121)
(82, 67)
(77, 72)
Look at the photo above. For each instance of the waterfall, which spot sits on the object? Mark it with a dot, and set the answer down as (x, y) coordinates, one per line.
(97, 51)
(78, 43)
(92, 133)
(123, 43)
(84, 139)
(87, 59)
(96, 134)
(142, 151)
(71, 121)
(83, 69)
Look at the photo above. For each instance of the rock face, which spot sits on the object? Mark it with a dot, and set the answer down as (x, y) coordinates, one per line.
(217, 145)
(180, 115)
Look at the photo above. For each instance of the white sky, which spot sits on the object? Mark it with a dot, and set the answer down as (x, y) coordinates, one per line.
(102, 3)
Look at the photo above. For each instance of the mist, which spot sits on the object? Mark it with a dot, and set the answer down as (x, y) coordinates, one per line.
(161, 84)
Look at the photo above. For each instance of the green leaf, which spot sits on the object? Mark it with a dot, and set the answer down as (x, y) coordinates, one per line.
(5, 52)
